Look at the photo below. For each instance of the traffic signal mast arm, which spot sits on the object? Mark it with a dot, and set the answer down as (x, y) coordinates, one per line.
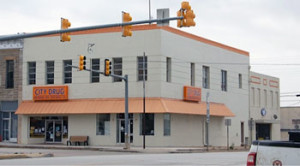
(28, 35)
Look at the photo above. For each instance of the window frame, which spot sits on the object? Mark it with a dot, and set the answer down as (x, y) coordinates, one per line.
(150, 124)
(9, 83)
(205, 77)
(240, 81)
(117, 68)
(168, 69)
(167, 124)
(95, 77)
(224, 80)
(193, 73)
(31, 73)
(140, 68)
(49, 67)
(67, 70)
(103, 118)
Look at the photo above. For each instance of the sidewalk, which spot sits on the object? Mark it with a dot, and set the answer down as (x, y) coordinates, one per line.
(133, 149)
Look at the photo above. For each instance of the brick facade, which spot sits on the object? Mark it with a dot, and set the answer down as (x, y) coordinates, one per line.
(11, 94)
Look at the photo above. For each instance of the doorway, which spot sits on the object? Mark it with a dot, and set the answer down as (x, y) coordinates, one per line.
(9, 126)
(121, 128)
(242, 134)
(263, 131)
(53, 131)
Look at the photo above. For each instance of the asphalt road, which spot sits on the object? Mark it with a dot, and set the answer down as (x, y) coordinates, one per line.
(107, 158)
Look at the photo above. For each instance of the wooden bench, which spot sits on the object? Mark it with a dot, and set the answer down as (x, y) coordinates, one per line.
(76, 140)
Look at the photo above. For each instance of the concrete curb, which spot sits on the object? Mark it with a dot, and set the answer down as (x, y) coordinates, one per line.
(109, 149)
(120, 149)
(17, 156)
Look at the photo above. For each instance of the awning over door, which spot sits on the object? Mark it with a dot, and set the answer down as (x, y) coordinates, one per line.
(100, 106)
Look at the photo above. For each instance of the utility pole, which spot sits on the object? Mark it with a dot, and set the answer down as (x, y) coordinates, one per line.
(207, 121)
(144, 104)
(127, 144)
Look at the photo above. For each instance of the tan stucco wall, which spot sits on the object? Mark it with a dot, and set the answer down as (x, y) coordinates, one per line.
(260, 83)
(186, 130)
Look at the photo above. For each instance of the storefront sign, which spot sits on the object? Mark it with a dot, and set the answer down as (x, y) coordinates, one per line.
(43, 93)
(191, 93)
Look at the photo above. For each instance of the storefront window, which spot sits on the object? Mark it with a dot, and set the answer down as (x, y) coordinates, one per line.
(167, 125)
(65, 127)
(149, 120)
(37, 127)
(103, 124)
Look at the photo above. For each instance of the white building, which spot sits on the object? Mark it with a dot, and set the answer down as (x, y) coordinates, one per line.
(265, 109)
(94, 105)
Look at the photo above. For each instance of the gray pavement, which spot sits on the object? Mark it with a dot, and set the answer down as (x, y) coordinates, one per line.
(12, 152)
(213, 158)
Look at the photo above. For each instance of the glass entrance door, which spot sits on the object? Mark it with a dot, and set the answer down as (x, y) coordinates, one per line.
(9, 126)
(53, 130)
(121, 128)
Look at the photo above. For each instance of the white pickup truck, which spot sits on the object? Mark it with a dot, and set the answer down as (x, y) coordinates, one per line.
(276, 153)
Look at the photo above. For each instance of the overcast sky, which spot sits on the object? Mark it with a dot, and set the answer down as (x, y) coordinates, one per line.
(268, 29)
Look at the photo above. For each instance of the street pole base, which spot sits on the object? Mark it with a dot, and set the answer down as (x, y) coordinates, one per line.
(127, 144)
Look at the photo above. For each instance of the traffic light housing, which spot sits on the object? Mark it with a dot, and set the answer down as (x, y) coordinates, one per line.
(188, 15)
(107, 67)
(126, 30)
(82, 62)
(65, 24)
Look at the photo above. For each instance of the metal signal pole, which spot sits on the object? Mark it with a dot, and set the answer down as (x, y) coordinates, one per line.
(144, 104)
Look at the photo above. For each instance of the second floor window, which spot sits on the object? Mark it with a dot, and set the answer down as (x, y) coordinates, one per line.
(67, 72)
(205, 77)
(50, 72)
(95, 77)
(240, 81)
(31, 73)
(9, 74)
(192, 74)
(140, 68)
(223, 80)
(117, 69)
(168, 69)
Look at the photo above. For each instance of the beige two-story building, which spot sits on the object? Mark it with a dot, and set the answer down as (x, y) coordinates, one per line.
(60, 101)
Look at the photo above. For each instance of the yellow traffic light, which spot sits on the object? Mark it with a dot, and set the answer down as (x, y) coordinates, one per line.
(190, 18)
(188, 15)
(82, 62)
(126, 30)
(65, 24)
(107, 67)
(185, 5)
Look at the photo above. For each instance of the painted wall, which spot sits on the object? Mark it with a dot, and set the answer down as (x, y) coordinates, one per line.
(265, 93)
(186, 130)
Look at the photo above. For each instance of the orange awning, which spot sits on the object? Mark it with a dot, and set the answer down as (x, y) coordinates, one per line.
(100, 106)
